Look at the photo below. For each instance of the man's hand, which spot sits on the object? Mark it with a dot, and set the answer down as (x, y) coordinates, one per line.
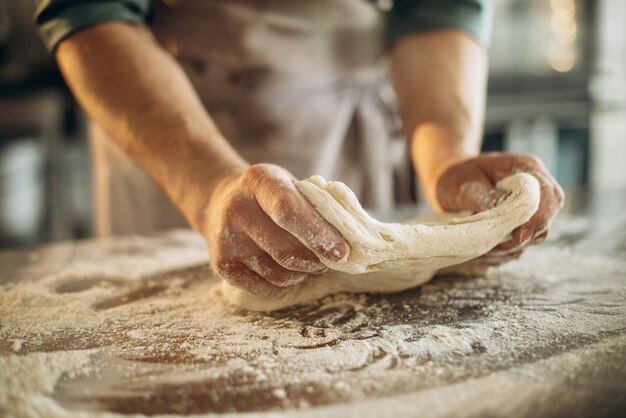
(469, 184)
(255, 225)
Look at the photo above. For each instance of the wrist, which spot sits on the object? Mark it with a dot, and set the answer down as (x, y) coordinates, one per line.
(440, 166)
(204, 191)
(430, 181)
(434, 149)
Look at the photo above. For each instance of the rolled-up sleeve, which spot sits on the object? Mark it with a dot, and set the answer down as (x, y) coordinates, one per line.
(414, 16)
(57, 19)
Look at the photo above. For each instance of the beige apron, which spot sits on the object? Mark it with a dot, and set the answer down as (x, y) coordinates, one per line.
(301, 84)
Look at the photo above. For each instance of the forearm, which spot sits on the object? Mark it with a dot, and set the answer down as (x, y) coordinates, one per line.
(142, 98)
(440, 82)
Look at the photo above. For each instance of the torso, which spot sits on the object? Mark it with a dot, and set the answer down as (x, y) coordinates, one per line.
(300, 84)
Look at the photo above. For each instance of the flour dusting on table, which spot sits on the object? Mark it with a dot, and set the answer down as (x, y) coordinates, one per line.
(135, 326)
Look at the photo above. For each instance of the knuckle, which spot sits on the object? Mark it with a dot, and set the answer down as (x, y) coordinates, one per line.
(234, 207)
(259, 172)
(560, 194)
(226, 268)
(222, 242)
(283, 209)
(254, 172)
(256, 176)
(531, 160)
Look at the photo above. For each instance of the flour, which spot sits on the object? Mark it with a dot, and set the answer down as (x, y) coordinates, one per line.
(35, 311)
(25, 380)
(136, 329)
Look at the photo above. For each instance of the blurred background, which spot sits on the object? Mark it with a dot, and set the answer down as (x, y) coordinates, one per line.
(557, 89)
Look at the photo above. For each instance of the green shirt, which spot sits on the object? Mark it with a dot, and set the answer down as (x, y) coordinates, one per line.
(57, 19)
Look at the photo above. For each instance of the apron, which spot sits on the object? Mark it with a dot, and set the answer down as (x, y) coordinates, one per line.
(301, 84)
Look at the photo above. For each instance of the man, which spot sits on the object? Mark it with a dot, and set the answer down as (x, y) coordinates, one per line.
(212, 87)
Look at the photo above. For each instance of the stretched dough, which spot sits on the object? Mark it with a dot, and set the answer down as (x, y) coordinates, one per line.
(390, 257)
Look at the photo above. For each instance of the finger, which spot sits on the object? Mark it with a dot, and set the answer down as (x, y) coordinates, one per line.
(521, 242)
(238, 275)
(281, 246)
(549, 205)
(261, 263)
(509, 247)
(493, 259)
(478, 194)
(514, 244)
(284, 204)
(551, 201)
(541, 237)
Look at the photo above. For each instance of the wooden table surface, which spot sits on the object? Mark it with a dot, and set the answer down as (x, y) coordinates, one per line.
(135, 325)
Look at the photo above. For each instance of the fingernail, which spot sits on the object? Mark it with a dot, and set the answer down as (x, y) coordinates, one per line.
(541, 237)
(339, 252)
(524, 235)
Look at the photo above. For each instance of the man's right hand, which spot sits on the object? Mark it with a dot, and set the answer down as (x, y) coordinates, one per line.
(256, 224)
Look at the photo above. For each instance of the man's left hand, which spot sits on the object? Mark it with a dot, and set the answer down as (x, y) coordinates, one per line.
(470, 185)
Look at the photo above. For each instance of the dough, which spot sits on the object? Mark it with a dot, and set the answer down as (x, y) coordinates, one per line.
(390, 257)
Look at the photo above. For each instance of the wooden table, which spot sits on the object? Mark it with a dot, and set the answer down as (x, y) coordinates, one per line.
(135, 325)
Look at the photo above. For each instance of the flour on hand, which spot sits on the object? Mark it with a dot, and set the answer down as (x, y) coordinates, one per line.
(390, 257)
